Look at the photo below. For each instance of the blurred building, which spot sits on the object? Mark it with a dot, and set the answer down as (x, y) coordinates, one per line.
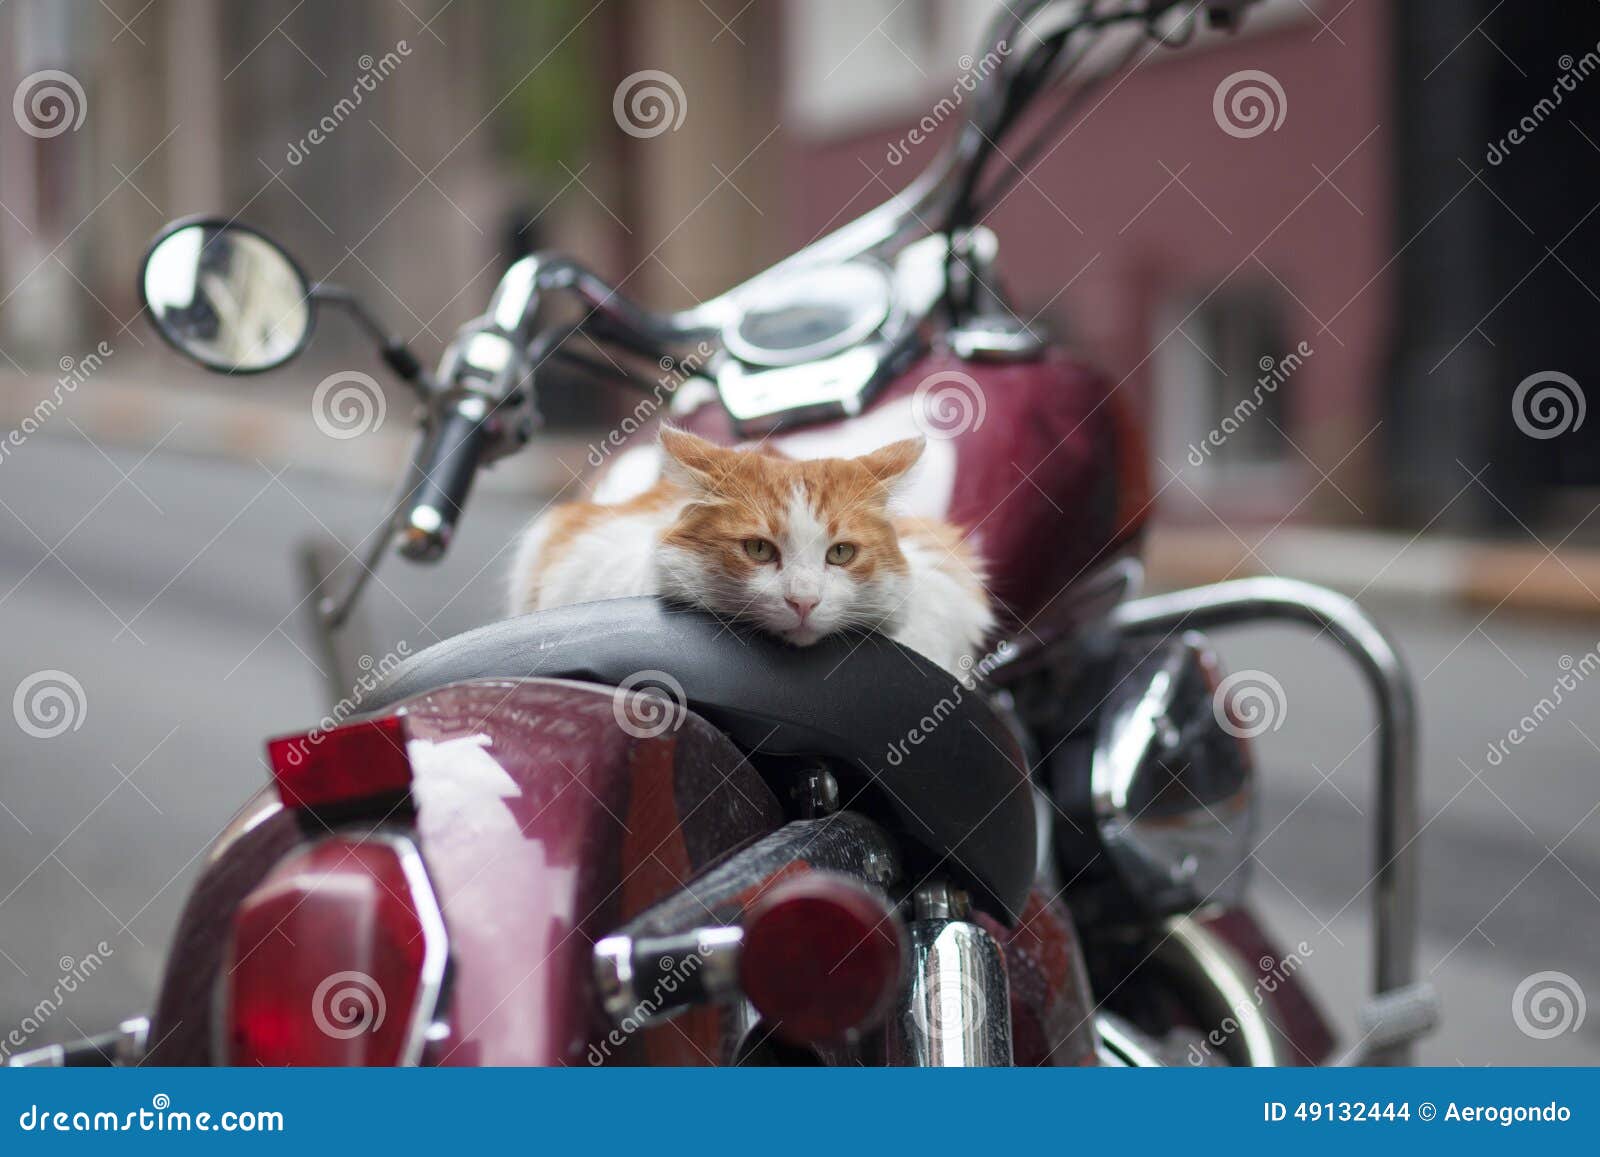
(1369, 224)
(207, 105)
(1429, 274)
(1182, 258)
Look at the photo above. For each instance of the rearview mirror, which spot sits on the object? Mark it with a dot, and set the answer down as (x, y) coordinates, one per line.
(226, 296)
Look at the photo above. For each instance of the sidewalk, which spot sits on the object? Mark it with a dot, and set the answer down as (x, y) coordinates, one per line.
(247, 419)
(1437, 569)
(215, 416)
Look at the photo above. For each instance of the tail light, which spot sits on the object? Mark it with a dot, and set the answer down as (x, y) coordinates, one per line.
(337, 958)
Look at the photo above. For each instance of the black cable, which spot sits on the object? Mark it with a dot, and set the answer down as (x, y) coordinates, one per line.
(1015, 89)
(983, 134)
(1048, 133)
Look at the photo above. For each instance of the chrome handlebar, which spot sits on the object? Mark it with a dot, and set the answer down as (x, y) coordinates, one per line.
(480, 404)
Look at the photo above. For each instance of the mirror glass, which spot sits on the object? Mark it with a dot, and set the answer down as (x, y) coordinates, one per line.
(227, 297)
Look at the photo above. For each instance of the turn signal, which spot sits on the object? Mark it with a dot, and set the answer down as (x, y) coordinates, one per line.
(823, 958)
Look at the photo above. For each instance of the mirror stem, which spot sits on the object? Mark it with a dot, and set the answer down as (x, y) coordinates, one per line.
(395, 353)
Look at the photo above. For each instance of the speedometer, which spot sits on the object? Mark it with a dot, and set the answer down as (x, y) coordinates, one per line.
(810, 314)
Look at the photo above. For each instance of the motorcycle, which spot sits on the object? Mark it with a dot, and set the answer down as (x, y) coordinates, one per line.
(619, 833)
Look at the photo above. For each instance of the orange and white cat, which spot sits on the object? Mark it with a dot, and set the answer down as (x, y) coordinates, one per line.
(801, 549)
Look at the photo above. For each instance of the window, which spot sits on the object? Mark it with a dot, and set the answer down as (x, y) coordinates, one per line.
(1222, 382)
(861, 64)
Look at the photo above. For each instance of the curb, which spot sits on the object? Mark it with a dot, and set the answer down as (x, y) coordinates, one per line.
(1477, 575)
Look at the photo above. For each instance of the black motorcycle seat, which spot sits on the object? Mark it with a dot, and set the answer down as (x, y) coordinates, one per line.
(908, 744)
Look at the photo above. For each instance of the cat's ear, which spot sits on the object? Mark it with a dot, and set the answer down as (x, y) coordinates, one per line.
(691, 462)
(889, 463)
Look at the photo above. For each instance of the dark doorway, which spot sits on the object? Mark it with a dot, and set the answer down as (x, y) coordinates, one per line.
(1498, 160)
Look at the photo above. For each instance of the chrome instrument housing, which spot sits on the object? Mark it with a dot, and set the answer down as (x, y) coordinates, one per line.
(810, 314)
(865, 313)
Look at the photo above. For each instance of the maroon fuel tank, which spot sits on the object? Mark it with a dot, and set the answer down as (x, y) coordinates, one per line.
(546, 817)
(1040, 460)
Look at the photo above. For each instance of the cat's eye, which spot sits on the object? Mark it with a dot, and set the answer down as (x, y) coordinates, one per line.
(841, 553)
(760, 549)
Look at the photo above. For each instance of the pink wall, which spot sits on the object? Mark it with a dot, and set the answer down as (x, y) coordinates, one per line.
(1269, 211)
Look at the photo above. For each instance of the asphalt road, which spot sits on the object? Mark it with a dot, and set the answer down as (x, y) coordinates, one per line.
(167, 588)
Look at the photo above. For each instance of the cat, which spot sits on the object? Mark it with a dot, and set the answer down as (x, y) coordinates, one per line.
(801, 549)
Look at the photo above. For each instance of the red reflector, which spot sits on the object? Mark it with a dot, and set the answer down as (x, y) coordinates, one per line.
(822, 958)
(335, 959)
(352, 762)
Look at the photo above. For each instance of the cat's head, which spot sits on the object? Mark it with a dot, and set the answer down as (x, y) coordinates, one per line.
(801, 548)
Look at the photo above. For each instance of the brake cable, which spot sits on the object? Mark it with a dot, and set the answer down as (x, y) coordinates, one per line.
(1037, 72)
(1048, 133)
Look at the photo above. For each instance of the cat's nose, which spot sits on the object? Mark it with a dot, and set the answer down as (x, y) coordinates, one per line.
(802, 605)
